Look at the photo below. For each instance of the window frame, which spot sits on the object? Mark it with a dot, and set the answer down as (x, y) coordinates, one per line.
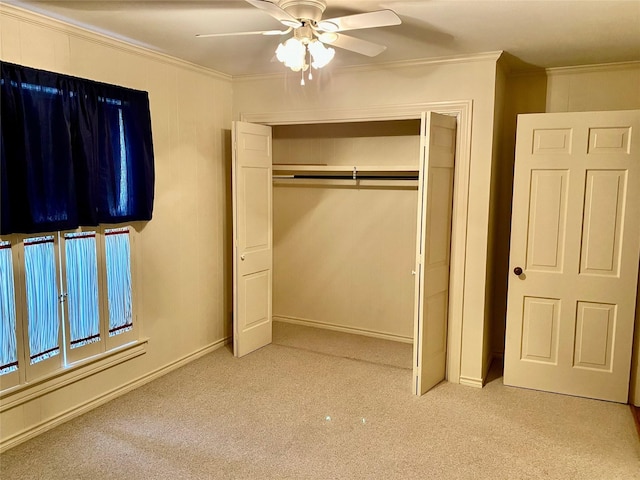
(73, 355)
(134, 333)
(17, 377)
(51, 364)
(28, 375)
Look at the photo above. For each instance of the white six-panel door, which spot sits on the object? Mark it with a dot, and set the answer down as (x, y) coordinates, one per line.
(433, 252)
(252, 245)
(575, 243)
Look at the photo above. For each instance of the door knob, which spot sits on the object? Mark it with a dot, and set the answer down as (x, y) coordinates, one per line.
(517, 271)
(242, 257)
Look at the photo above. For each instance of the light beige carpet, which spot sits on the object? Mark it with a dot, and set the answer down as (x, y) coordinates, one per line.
(293, 413)
(331, 342)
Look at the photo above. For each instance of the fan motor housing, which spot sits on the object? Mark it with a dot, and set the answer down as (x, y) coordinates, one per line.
(304, 9)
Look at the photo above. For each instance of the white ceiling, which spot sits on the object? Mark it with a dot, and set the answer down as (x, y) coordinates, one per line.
(540, 33)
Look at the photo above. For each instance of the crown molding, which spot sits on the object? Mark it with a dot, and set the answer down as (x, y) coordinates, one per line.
(453, 59)
(419, 62)
(602, 67)
(63, 27)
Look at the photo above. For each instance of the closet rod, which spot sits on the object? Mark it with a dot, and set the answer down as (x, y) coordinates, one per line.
(347, 182)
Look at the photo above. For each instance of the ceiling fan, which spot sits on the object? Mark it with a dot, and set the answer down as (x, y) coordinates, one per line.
(314, 36)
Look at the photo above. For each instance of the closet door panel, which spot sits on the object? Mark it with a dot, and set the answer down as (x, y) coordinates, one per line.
(253, 245)
(435, 194)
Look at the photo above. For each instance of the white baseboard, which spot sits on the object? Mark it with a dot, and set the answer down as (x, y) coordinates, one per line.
(82, 408)
(342, 328)
(471, 382)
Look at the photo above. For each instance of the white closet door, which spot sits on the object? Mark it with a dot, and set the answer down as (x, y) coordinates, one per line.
(575, 243)
(252, 231)
(435, 194)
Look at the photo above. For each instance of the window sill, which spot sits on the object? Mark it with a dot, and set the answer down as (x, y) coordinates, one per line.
(14, 396)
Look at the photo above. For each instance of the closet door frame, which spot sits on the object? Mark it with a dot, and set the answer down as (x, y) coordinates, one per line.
(463, 111)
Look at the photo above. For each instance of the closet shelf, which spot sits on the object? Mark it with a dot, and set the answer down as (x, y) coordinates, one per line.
(346, 170)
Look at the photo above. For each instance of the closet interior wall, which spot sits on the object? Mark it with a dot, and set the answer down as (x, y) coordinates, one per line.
(344, 250)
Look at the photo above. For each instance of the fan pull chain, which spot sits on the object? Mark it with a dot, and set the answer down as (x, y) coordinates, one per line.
(309, 67)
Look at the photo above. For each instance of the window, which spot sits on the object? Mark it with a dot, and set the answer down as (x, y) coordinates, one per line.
(81, 271)
(41, 294)
(64, 297)
(75, 154)
(118, 280)
(9, 352)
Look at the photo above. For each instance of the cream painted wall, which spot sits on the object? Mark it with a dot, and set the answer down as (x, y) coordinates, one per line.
(593, 88)
(343, 254)
(523, 93)
(405, 84)
(183, 253)
(495, 286)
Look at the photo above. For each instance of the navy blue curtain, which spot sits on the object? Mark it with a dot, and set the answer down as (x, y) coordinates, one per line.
(72, 152)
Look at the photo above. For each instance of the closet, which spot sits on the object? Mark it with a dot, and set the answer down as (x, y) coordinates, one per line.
(345, 202)
(357, 227)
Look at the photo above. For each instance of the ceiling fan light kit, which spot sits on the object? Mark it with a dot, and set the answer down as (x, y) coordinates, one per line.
(293, 51)
(310, 32)
(320, 54)
(293, 54)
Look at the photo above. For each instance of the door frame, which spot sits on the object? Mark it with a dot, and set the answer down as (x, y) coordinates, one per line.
(463, 111)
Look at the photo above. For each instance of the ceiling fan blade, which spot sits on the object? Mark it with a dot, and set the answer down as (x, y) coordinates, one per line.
(364, 47)
(379, 18)
(276, 12)
(235, 34)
